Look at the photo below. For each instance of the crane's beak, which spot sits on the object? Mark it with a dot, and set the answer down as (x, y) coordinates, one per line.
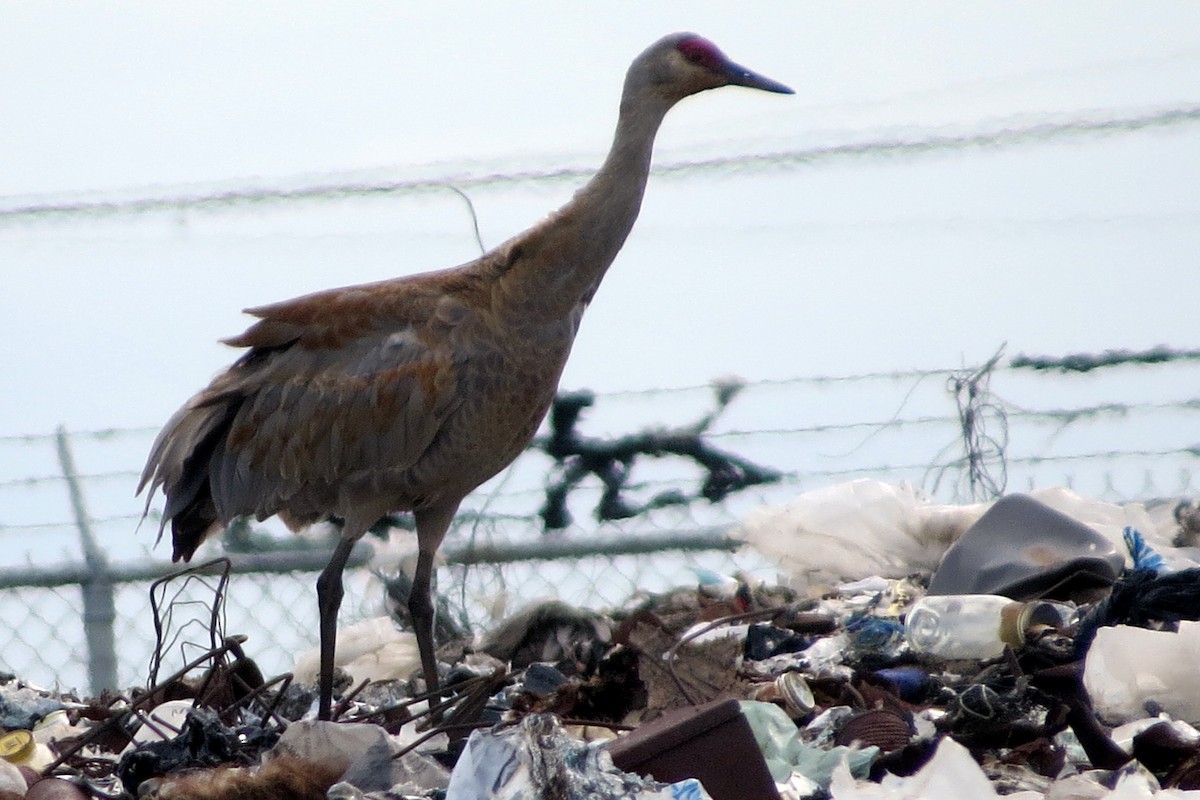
(740, 76)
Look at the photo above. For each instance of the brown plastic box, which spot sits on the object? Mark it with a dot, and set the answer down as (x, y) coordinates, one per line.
(712, 743)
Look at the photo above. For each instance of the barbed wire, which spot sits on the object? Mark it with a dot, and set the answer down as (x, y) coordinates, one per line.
(1086, 362)
(974, 454)
(1077, 362)
(789, 477)
(984, 425)
(1050, 414)
(35, 480)
(1063, 416)
(1031, 129)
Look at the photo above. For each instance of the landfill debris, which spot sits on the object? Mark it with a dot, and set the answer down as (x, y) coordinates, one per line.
(370, 650)
(857, 528)
(1022, 548)
(975, 626)
(1129, 670)
(203, 741)
(22, 707)
(787, 753)
(714, 743)
(950, 775)
(1142, 554)
(12, 779)
(368, 757)
(789, 691)
(551, 631)
(824, 753)
(1145, 599)
(1072, 676)
(281, 778)
(20, 748)
(55, 789)
(535, 759)
(851, 530)
(162, 723)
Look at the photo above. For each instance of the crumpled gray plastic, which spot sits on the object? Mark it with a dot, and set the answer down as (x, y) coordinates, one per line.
(535, 759)
(365, 753)
(1024, 549)
(22, 707)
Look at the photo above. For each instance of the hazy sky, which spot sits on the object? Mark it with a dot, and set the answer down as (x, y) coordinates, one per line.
(838, 264)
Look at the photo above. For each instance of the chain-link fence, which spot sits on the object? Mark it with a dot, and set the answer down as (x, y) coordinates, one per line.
(1128, 431)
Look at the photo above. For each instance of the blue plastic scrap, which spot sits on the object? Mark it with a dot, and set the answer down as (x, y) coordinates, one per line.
(1144, 556)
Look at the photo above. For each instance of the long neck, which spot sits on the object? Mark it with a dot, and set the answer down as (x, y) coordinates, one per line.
(562, 260)
(609, 204)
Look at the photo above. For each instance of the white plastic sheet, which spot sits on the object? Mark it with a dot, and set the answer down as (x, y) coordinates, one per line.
(951, 774)
(857, 528)
(1126, 666)
(372, 649)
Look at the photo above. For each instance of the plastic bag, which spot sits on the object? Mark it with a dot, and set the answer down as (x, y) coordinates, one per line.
(857, 528)
(525, 761)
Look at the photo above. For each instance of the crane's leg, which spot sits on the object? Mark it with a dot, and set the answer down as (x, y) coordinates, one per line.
(420, 606)
(329, 600)
(432, 525)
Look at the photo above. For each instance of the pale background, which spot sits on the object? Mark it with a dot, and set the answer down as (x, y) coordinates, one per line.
(847, 264)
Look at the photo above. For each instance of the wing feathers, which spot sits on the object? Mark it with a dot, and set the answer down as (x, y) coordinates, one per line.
(336, 386)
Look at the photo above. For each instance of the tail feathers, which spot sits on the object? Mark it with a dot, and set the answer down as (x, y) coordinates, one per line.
(179, 462)
(192, 525)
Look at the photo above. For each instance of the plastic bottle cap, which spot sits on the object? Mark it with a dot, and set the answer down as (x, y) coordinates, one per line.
(16, 746)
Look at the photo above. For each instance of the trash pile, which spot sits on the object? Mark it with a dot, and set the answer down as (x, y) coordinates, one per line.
(1041, 646)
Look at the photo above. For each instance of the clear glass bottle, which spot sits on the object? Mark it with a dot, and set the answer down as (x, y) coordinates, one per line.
(971, 626)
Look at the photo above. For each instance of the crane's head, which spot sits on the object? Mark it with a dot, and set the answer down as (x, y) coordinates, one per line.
(684, 63)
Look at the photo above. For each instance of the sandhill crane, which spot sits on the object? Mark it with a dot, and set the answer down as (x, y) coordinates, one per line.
(407, 394)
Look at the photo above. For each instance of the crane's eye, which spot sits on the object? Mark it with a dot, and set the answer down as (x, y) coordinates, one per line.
(702, 53)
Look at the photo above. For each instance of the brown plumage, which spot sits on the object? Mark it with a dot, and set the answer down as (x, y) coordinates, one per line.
(405, 395)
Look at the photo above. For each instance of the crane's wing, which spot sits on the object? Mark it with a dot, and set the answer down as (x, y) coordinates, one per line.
(344, 384)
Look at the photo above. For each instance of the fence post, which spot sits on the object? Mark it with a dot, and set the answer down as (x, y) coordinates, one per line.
(99, 610)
